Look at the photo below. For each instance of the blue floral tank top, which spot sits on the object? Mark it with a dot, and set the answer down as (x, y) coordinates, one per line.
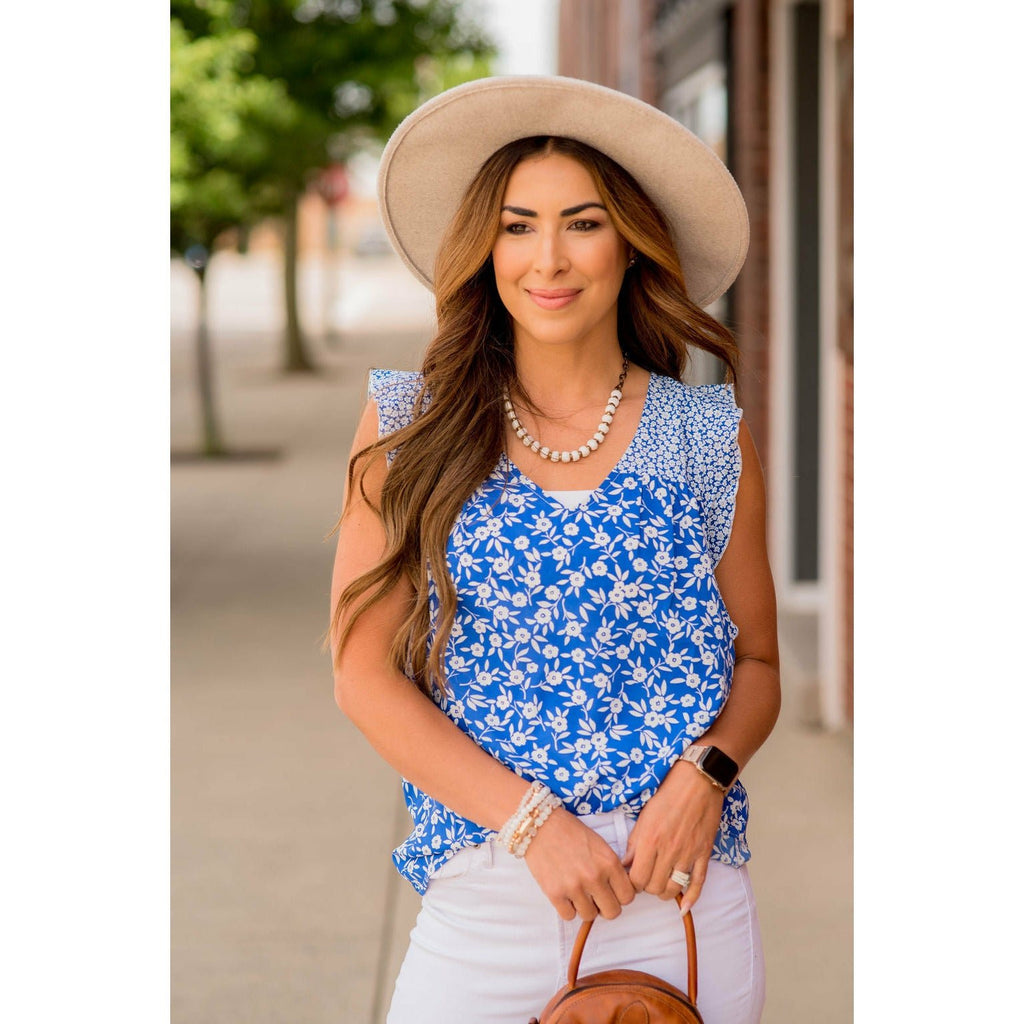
(591, 645)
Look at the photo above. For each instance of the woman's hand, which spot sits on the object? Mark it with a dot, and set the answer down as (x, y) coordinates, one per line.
(675, 830)
(577, 870)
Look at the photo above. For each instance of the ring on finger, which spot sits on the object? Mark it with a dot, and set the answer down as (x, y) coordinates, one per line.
(681, 878)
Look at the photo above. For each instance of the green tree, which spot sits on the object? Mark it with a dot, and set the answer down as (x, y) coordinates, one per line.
(225, 122)
(353, 69)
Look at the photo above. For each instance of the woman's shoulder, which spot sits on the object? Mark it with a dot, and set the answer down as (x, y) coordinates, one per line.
(703, 413)
(396, 393)
(697, 398)
(393, 383)
(707, 414)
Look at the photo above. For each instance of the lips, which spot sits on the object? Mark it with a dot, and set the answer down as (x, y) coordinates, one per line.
(553, 298)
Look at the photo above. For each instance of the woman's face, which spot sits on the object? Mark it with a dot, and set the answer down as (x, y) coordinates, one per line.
(558, 261)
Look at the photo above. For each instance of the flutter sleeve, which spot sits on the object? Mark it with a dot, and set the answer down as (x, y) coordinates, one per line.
(711, 424)
(395, 392)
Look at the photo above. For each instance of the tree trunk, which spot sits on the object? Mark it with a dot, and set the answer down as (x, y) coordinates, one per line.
(212, 444)
(296, 360)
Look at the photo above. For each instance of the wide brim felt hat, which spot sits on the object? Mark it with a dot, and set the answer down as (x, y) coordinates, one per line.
(437, 150)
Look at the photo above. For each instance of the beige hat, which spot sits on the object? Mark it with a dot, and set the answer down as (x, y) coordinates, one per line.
(435, 152)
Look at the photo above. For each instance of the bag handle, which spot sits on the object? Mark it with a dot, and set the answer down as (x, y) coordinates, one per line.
(691, 952)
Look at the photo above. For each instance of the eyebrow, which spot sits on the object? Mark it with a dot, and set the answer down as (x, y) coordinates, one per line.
(519, 211)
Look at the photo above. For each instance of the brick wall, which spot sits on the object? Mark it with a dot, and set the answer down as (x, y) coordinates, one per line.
(593, 45)
(586, 40)
(648, 71)
(748, 113)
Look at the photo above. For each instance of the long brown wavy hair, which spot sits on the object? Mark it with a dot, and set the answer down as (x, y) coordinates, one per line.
(456, 436)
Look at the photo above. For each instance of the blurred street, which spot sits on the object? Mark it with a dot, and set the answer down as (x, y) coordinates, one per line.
(285, 904)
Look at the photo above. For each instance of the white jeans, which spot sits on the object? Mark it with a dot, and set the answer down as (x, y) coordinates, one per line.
(489, 947)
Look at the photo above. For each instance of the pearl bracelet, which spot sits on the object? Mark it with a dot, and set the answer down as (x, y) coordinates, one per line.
(531, 799)
(534, 809)
(520, 842)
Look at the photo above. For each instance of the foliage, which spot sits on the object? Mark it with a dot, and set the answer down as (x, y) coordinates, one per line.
(352, 68)
(265, 92)
(225, 124)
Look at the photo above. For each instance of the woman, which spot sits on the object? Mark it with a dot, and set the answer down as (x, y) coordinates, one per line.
(551, 567)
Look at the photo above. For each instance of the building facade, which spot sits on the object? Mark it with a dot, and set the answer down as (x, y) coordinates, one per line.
(769, 85)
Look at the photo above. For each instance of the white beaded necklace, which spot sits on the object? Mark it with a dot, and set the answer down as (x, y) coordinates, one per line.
(585, 449)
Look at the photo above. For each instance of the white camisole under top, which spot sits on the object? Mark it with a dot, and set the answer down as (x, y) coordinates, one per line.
(571, 499)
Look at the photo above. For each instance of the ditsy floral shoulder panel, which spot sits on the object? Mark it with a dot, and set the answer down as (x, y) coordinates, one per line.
(591, 645)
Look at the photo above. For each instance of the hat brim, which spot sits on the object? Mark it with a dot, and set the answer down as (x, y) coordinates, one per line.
(436, 151)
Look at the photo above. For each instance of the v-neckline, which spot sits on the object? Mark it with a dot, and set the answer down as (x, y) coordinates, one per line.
(509, 468)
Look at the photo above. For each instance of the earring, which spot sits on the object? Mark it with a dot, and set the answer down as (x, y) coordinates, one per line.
(634, 259)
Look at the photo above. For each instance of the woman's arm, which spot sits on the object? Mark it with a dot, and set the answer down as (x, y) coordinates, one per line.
(575, 868)
(677, 826)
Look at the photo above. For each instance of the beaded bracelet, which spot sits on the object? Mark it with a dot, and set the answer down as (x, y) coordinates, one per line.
(531, 799)
(520, 842)
(534, 809)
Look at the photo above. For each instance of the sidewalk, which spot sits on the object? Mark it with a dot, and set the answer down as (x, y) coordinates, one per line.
(285, 906)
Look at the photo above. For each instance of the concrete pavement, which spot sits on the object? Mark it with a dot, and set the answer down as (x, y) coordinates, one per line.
(285, 906)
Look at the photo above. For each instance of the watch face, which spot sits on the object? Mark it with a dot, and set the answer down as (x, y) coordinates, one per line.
(719, 766)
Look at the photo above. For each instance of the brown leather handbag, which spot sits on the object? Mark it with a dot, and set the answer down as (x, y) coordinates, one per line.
(624, 997)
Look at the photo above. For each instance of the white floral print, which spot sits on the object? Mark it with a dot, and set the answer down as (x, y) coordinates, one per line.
(591, 644)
